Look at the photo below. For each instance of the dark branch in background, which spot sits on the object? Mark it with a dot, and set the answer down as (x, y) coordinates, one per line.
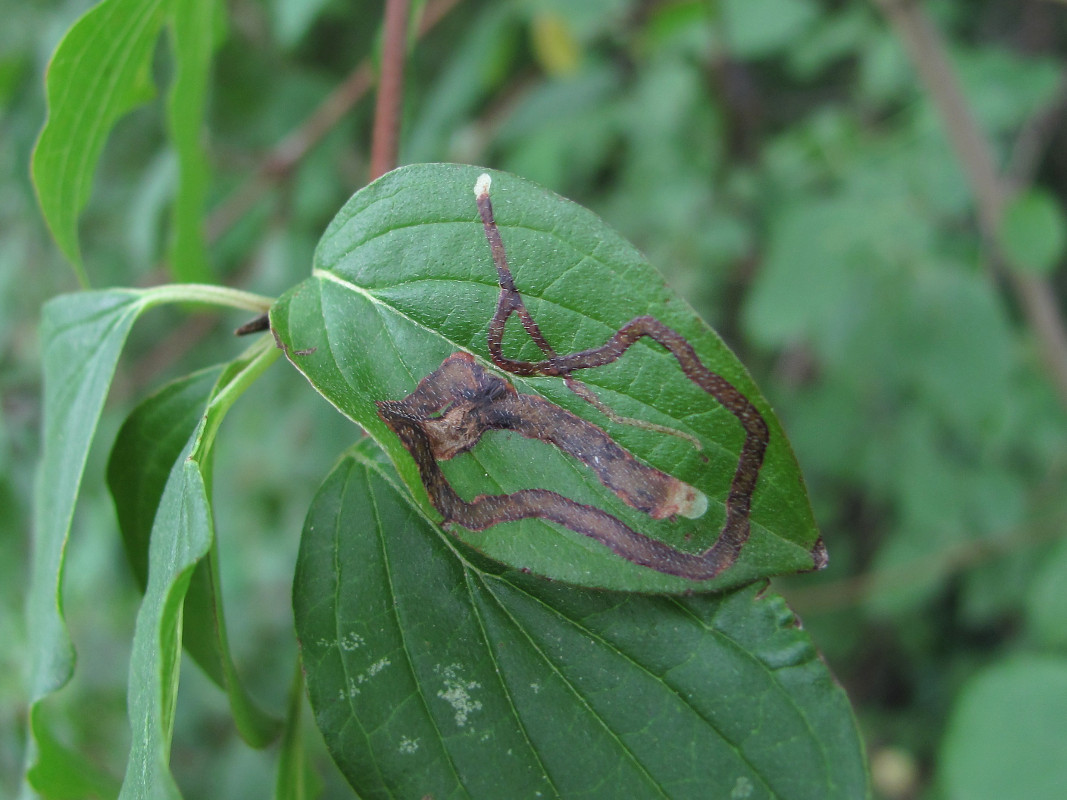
(1036, 296)
(385, 141)
(276, 166)
(280, 162)
(856, 589)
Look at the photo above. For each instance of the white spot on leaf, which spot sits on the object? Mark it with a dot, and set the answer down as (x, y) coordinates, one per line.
(742, 789)
(457, 693)
(350, 641)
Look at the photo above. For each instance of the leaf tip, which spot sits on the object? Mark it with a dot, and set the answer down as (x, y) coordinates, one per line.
(481, 186)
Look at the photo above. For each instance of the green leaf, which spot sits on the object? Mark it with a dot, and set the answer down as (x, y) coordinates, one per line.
(432, 671)
(1033, 232)
(103, 69)
(81, 338)
(759, 28)
(64, 774)
(100, 71)
(1007, 736)
(403, 278)
(147, 446)
(182, 535)
(296, 780)
(195, 29)
(1046, 599)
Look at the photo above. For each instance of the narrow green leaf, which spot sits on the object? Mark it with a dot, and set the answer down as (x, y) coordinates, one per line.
(403, 278)
(180, 538)
(81, 338)
(1033, 232)
(100, 71)
(296, 780)
(196, 27)
(182, 535)
(432, 672)
(147, 446)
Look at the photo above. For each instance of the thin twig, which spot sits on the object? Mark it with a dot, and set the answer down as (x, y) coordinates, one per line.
(277, 165)
(385, 140)
(280, 162)
(855, 589)
(1034, 138)
(1036, 296)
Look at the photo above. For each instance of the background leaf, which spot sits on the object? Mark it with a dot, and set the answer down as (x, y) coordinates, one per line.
(147, 446)
(100, 71)
(196, 29)
(1033, 231)
(144, 452)
(403, 278)
(1005, 736)
(433, 672)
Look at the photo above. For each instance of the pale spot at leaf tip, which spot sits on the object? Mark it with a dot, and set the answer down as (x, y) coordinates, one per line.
(481, 186)
(698, 506)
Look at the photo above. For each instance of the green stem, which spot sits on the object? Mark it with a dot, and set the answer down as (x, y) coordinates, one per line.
(260, 356)
(207, 293)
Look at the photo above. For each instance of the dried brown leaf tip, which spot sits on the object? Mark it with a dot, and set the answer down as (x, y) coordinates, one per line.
(456, 404)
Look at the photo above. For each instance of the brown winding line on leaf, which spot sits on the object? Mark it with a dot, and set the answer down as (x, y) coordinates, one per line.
(453, 406)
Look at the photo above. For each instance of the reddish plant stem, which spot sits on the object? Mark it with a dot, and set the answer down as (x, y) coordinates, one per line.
(1035, 294)
(287, 154)
(385, 140)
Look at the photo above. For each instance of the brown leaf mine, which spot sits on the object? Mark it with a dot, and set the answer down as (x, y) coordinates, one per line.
(452, 407)
(458, 402)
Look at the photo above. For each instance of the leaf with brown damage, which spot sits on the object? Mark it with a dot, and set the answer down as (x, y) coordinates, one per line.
(403, 279)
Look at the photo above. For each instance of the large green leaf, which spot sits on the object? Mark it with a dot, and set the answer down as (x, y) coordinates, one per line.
(434, 672)
(403, 278)
(148, 445)
(182, 535)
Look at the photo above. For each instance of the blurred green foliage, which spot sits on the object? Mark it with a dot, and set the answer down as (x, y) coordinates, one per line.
(778, 160)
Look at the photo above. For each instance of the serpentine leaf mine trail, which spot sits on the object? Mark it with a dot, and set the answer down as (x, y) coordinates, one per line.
(453, 406)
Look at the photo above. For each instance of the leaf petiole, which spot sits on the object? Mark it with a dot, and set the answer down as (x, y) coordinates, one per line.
(206, 293)
(252, 363)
